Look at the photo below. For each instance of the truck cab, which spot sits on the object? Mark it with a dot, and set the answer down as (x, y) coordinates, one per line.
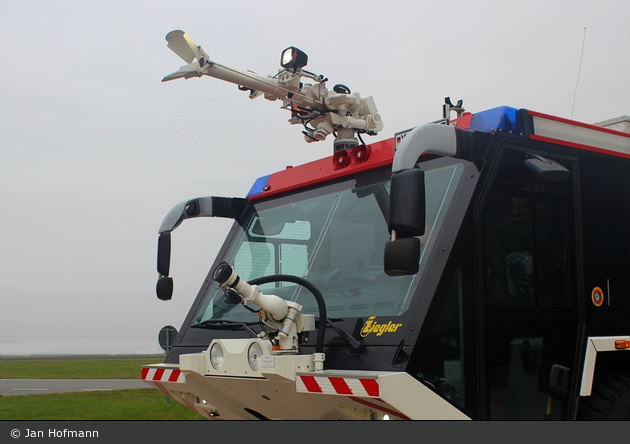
(471, 268)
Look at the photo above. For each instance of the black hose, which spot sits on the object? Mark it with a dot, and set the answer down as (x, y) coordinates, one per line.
(321, 331)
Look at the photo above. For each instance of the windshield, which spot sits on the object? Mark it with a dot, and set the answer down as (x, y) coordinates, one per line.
(334, 237)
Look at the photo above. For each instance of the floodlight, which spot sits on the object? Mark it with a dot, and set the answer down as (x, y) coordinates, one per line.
(216, 356)
(254, 356)
(293, 58)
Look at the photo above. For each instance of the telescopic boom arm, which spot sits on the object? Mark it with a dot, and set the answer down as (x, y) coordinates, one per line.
(322, 112)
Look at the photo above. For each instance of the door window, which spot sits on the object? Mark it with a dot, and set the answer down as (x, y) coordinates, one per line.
(527, 244)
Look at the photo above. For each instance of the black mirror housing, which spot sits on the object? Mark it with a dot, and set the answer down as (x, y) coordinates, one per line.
(407, 204)
(402, 256)
(164, 253)
(164, 288)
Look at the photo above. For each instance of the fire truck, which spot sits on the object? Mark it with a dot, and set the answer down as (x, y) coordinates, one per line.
(474, 267)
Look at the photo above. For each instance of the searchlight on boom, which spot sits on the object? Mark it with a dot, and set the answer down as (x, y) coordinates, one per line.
(340, 112)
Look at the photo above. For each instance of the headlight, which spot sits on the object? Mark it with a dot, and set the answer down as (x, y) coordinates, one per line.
(254, 355)
(216, 356)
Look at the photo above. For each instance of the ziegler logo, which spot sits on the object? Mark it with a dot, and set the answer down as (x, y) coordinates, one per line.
(374, 327)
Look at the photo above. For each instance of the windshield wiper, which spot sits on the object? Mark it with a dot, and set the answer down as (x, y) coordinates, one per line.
(354, 343)
(226, 324)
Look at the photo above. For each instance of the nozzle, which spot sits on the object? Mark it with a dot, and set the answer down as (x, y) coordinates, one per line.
(225, 276)
(223, 273)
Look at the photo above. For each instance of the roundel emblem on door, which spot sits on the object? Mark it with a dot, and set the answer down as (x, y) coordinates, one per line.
(597, 296)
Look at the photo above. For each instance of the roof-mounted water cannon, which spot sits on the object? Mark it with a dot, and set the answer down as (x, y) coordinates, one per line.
(340, 112)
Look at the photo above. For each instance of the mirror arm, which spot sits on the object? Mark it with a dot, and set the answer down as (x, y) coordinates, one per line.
(210, 206)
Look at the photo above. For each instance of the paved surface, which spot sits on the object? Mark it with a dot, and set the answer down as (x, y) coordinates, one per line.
(11, 387)
(158, 358)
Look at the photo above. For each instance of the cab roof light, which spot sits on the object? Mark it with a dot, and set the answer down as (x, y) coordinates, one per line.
(498, 120)
(259, 186)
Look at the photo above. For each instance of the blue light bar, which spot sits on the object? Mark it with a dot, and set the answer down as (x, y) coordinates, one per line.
(497, 120)
(258, 186)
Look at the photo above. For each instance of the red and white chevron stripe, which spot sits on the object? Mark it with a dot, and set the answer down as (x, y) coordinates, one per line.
(162, 374)
(338, 386)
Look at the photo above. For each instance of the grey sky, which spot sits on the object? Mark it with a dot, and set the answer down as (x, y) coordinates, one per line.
(94, 149)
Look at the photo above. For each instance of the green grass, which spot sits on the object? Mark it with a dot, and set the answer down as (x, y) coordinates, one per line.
(76, 369)
(135, 404)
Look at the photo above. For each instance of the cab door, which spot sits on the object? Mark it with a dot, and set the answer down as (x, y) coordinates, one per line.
(528, 286)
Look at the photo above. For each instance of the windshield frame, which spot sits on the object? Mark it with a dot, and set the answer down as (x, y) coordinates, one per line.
(422, 289)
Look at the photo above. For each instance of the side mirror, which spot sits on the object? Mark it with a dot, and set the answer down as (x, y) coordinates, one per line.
(164, 288)
(164, 253)
(407, 219)
(402, 256)
(210, 206)
(407, 204)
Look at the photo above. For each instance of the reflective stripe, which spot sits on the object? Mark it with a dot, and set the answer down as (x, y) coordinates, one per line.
(162, 375)
(338, 386)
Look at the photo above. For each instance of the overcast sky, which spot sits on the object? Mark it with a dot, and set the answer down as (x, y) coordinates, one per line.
(95, 149)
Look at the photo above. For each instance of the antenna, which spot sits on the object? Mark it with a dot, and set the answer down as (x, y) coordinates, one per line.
(578, 76)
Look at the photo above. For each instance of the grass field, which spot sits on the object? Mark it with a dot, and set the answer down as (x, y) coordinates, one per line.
(75, 369)
(136, 404)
